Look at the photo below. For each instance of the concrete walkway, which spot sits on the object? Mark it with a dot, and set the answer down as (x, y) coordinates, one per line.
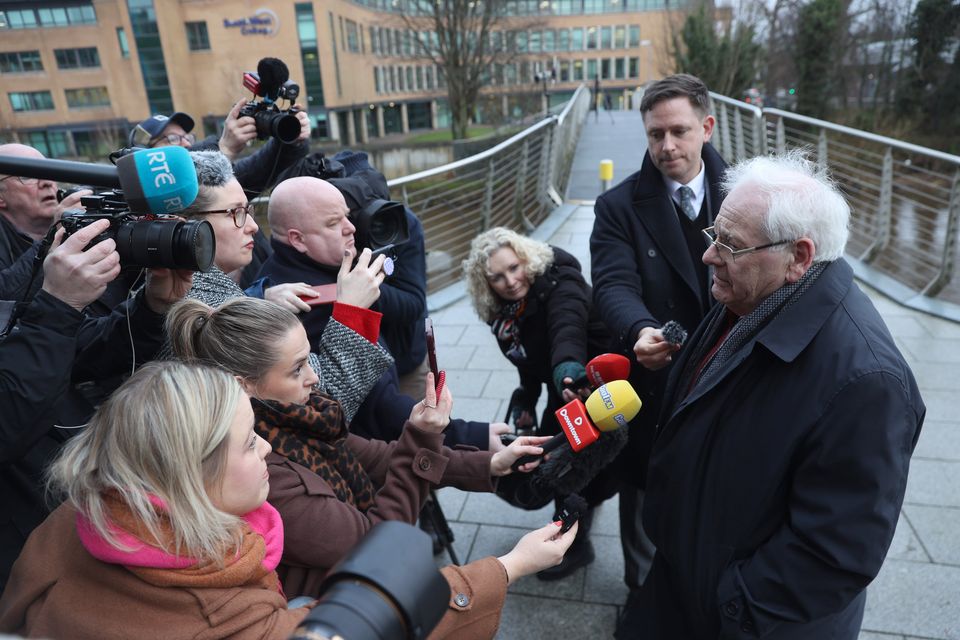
(916, 595)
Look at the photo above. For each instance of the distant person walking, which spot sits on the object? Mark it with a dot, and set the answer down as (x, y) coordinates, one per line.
(608, 105)
(595, 100)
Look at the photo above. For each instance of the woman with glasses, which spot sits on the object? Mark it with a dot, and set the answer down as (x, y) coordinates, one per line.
(347, 360)
(538, 306)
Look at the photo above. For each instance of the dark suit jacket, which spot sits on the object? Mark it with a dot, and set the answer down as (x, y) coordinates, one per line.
(643, 275)
(775, 484)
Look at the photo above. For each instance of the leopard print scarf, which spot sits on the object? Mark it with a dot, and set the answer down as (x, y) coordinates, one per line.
(314, 435)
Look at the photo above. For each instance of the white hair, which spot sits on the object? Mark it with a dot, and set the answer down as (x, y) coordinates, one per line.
(803, 201)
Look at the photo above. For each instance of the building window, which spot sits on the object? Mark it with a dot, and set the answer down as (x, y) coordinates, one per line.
(535, 41)
(428, 78)
(591, 69)
(31, 100)
(197, 37)
(577, 70)
(87, 97)
(409, 74)
(549, 40)
(592, 37)
(374, 41)
(83, 58)
(122, 41)
(48, 17)
(634, 67)
(309, 55)
(20, 62)
(376, 80)
(53, 144)
(634, 35)
(564, 71)
(576, 41)
(353, 37)
(606, 38)
(619, 37)
(605, 72)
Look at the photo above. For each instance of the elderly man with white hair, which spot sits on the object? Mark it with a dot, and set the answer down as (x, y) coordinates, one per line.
(781, 457)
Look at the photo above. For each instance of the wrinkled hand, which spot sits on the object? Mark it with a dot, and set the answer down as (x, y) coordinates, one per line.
(237, 132)
(502, 460)
(538, 550)
(79, 277)
(433, 414)
(72, 201)
(360, 286)
(497, 429)
(652, 351)
(287, 295)
(165, 287)
(304, 123)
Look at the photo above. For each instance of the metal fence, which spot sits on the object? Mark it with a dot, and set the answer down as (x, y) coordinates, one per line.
(514, 184)
(905, 199)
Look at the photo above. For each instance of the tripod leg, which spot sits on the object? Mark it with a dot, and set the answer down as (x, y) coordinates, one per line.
(440, 525)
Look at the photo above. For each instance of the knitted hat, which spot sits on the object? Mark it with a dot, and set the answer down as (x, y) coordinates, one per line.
(356, 163)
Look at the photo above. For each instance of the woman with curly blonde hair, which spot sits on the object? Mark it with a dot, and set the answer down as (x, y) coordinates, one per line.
(538, 306)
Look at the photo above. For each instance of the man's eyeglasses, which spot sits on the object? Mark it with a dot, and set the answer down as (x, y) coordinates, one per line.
(29, 182)
(175, 138)
(726, 250)
(239, 214)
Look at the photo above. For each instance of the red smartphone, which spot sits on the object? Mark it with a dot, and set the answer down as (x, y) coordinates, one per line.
(327, 294)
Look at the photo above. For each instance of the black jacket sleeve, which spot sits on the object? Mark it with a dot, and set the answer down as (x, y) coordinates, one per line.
(568, 312)
(258, 171)
(14, 279)
(35, 364)
(617, 287)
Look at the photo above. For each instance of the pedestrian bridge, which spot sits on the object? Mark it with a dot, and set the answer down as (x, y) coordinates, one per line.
(906, 201)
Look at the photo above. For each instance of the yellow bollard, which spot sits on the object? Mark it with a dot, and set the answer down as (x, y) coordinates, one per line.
(606, 174)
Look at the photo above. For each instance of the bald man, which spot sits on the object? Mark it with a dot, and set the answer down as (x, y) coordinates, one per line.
(312, 241)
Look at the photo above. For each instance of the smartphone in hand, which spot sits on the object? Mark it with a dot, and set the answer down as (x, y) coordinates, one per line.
(432, 350)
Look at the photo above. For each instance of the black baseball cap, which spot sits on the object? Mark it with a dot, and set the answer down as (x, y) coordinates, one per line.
(151, 128)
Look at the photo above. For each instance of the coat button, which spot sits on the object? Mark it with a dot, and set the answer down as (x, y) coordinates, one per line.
(424, 463)
(747, 626)
(731, 609)
(651, 253)
(461, 600)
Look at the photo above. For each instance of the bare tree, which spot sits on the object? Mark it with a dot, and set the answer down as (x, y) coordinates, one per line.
(467, 40)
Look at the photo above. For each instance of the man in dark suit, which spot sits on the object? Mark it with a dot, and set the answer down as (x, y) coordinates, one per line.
(645, 262)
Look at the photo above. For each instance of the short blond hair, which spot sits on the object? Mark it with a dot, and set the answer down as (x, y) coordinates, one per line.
(163, 434)
(536, 257)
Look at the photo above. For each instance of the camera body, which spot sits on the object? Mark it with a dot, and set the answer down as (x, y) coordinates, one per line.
(271, 120)
(145, 241)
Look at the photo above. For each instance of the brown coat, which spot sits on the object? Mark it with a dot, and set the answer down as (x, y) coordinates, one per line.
(58, 590)
(477, 592)
(319, 529)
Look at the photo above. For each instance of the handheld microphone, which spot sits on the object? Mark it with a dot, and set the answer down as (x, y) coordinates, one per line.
(607, 367)
(674, 333)
(611, 406)
(158, 181)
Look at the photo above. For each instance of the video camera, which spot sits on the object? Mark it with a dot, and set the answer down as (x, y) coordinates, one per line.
(271, 81)
(145, 240)
(376, 593)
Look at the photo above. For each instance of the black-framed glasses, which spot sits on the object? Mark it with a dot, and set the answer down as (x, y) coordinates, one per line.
(238, 213)
(23, 180)
(711, 235)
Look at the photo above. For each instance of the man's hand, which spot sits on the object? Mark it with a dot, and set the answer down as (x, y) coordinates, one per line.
(304, 123)
(79, 277)
(237, 132)
(166, 287)
(652, 351)
(72, 201)
(360, 286)
(287, 295)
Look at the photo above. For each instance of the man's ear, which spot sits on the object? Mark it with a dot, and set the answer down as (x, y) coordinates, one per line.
(295, 238)
(247, 385)
(708, 123)
(803, 253)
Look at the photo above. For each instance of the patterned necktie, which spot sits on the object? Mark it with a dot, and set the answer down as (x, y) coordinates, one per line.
(686, 202)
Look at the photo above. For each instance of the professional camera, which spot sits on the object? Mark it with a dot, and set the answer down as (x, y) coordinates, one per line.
(271, 82)
(376, 593)
(381, 224)
(147, 240)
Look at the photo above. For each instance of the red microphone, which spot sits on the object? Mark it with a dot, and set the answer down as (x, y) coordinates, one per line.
(607, 367)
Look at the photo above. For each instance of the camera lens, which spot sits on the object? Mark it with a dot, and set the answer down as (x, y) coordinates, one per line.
(283, 126)
(388, 224)
(171, 244)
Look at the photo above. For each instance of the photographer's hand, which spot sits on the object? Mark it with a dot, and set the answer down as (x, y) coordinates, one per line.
(72, 201)
(304, 122)
(79, 277)
(501, 462)
(237, 132)
(165, 287)
(360, 286)
(538, 550)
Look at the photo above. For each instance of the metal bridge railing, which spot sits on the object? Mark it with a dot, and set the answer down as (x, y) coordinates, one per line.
(514, 184)
(905, 199)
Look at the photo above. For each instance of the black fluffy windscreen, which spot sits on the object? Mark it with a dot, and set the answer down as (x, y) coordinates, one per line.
(273, 73)
(674, 333)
